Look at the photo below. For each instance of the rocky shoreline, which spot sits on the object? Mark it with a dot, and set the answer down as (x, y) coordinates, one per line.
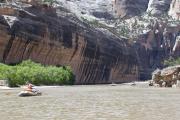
(167, 77)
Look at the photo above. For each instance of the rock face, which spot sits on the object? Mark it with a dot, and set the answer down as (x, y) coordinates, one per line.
(155, 46)
(91, 8)
(97, 54)
(176, 47)
(158, 7)
(129, 8)
(110, 9)
(40, 34)
(175, 9)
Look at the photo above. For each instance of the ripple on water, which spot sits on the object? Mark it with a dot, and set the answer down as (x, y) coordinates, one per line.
(92, 103)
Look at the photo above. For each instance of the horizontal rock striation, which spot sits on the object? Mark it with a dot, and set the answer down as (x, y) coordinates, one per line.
(40, 34)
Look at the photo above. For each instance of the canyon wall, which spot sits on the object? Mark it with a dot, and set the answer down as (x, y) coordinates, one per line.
(161, 41)
(175, 9)
(83, 34)
(40, 34)
(155, 46)
(129, 8)
(158, 7)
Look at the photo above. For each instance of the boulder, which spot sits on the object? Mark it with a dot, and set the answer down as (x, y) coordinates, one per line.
(167, 77)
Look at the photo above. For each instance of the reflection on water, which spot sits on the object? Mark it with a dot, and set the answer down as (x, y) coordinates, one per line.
(92, 103)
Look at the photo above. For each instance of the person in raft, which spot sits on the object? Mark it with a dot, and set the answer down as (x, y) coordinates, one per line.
(30, 87)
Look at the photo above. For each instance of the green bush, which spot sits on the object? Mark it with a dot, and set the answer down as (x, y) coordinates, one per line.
(36, 74)
(3, 70)
(172, 61)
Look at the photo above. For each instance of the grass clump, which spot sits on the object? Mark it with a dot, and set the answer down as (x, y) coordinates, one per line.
(36, 73)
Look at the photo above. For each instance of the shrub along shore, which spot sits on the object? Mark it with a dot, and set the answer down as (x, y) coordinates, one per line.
(172, 61)
(36, 73)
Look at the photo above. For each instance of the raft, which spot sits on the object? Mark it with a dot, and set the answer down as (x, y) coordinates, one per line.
(28, 93)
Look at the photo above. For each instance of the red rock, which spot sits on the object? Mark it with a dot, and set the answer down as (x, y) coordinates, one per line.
(44, 37)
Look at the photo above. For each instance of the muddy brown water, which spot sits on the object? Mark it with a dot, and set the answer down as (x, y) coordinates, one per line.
(101, 102)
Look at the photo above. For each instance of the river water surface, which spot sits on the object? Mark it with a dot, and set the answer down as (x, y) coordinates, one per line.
(92, 103)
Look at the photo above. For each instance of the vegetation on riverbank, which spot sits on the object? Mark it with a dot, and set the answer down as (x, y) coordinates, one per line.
(36, 73)
(172, 61)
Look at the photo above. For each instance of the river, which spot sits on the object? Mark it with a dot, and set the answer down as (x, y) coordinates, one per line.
(96, 102)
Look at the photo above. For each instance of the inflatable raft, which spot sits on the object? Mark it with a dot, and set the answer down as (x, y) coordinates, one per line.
(28, 93)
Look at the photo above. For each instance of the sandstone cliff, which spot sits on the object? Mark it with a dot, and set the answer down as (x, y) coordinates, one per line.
(89, 36)
(40, 34)
(157, 7)
(130, 8)
(159, 43)
(175, 9)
